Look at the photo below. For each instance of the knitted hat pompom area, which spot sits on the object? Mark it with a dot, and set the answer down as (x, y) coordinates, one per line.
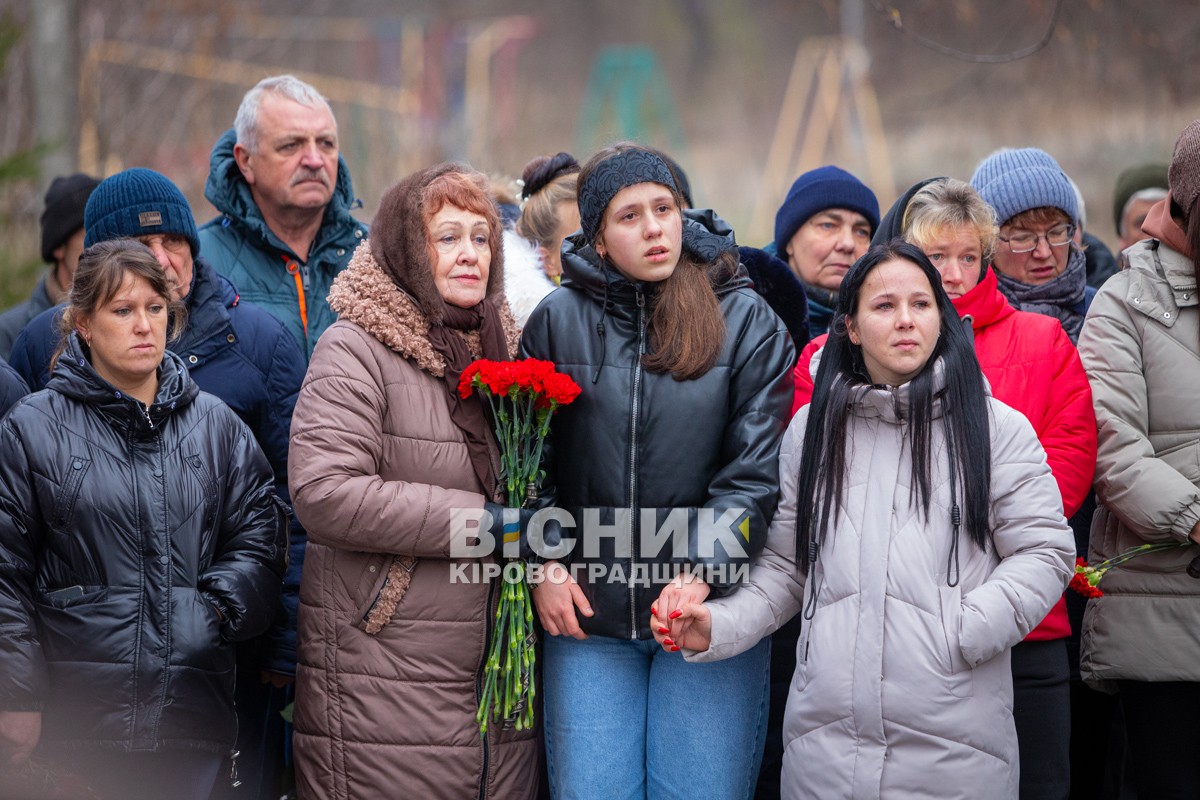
(138, 202)
(1013, 181)
(820, 189)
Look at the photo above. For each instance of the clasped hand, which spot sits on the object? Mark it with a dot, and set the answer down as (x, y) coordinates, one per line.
(679, 617)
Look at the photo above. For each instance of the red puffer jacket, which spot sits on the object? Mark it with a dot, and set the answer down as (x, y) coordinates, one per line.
(1031, 366)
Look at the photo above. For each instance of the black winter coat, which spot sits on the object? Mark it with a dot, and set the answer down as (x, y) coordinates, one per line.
(244, 356)
(636, 440)
(135, 546)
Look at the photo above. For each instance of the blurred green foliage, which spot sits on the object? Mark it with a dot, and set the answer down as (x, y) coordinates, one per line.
(19, 261)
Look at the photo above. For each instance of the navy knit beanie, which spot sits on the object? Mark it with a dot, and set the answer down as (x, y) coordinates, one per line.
(1013, 181)
(138, 202)
(817, 190)
(63, 215)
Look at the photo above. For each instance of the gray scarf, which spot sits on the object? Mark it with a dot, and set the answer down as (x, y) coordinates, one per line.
(1061, 298)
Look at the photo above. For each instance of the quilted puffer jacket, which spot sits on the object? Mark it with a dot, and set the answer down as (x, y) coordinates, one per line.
(903, 678)
(136, 545)
(636, 441)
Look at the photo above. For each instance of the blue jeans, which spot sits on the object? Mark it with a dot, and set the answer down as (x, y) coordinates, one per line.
(626, 720)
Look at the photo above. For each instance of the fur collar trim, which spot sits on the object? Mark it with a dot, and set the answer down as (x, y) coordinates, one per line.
(364, 295)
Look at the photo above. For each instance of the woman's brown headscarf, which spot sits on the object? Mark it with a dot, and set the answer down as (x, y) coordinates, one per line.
(400, 243)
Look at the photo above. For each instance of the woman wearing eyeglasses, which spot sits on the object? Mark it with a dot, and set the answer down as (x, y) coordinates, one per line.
(1039, 266)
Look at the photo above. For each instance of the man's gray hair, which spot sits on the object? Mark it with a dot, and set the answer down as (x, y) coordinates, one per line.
(1152, 194)
(246, 121)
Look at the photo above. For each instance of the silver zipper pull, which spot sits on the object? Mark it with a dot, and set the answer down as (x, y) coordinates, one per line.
(233, 775)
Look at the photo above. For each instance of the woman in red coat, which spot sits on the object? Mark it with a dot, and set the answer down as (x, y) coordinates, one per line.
(1032, 366)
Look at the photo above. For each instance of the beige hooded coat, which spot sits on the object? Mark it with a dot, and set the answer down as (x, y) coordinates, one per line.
(376, 465)
(903, 686)
(1140, 346)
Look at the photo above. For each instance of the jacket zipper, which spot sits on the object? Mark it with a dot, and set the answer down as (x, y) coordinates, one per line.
(487, 646)
(633, 446)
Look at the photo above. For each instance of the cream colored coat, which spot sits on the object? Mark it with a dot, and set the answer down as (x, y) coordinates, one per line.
(1141, 349)
(903, 686)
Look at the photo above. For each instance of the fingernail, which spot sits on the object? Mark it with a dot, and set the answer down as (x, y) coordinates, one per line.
(654, 611)
(664, 630)
(668, 643)
(676, 614)
(674, 649)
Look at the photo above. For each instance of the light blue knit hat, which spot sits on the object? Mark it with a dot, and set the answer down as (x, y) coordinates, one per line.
(1013, 181)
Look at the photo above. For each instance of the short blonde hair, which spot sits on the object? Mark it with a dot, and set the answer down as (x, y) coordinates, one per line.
(947, 204)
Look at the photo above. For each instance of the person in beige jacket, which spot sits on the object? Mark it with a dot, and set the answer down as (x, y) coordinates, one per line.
(1141, 348)
(392, 639)
(922, 544)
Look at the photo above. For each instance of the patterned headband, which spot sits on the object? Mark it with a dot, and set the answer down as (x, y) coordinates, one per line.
(611, 176)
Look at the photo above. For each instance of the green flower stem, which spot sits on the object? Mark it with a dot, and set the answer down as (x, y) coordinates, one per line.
(1140, 550)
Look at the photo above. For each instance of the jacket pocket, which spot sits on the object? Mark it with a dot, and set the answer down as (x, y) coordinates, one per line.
(397, 576)
(64, 501)
(960, 682)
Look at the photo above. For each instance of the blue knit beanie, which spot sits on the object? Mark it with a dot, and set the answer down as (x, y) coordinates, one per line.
(138, 202)
(817, 190)
(1013, 181)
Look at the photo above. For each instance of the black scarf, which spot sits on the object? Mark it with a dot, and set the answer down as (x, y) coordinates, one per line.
(467, 414)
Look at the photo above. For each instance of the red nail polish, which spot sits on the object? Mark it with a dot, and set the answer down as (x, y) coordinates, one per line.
(664, 630)
(676, 614)
(674, 649)
(668, 643)
(654, 611)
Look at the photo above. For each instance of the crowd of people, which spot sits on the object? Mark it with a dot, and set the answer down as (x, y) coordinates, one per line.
(234, 462)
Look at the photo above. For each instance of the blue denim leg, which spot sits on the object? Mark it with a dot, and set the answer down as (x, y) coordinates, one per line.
(594, 695)
(706, 725)
(618, 709)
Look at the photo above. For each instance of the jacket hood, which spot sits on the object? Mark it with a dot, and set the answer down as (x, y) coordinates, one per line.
(229, 193)
(399, 242)
(890, 227)
(364, 295)
(584, 270)
(778, 285)
(892, 403)
(75, 377)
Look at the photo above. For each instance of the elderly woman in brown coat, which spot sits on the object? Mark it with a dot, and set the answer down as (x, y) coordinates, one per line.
(392, 630)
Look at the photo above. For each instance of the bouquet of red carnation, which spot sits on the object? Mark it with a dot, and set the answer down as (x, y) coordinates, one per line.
(522, 396)
(1086, 579)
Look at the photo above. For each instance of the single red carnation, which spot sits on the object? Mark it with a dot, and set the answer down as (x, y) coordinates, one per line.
(465, 381)
(561, 389)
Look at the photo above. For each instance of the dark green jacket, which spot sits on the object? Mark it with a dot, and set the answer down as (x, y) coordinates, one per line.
(240, 246)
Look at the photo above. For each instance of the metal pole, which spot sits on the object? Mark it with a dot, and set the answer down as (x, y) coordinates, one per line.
(55, 81)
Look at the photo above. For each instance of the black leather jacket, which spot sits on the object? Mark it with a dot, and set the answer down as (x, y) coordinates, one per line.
(636, 440)
(135, 546)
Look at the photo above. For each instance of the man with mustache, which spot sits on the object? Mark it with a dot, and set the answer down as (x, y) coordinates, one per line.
(285, 196)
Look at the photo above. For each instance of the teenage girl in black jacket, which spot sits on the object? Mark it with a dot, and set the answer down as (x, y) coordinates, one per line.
(686, 381)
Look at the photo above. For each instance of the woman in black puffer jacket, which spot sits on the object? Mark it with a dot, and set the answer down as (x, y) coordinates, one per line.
(686, 376)
(140, 536)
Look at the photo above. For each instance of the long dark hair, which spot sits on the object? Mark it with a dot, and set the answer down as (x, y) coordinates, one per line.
(843, 376)
(687, 328)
